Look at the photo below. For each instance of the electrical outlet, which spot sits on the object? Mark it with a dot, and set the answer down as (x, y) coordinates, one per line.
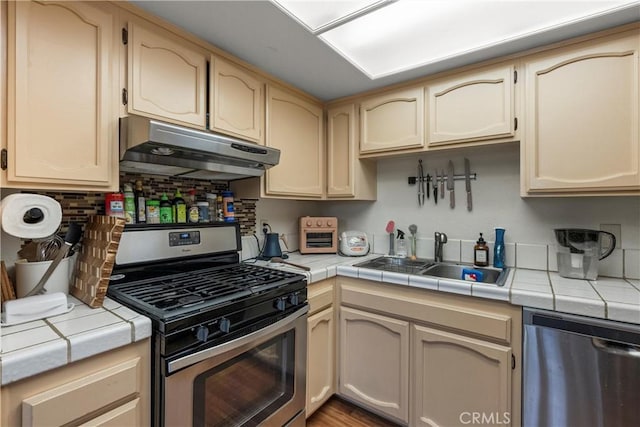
(264, 223)
(616, 230)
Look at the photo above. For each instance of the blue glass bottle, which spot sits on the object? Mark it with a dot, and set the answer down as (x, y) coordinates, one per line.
(498, 250)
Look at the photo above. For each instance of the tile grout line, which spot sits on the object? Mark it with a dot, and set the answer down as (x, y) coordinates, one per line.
(606, 306)
(60, 334)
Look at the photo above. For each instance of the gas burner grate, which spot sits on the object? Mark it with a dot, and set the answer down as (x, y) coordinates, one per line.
(212, 285)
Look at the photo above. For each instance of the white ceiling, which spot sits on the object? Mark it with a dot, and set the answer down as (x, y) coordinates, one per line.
(262, 34)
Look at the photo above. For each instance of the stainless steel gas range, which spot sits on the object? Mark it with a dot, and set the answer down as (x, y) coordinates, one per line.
(229, 339)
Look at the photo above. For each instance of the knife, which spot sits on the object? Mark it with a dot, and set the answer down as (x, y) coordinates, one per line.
(435, 187)
(420, 183)
(442, 185)
(450, 186)
(467, 181)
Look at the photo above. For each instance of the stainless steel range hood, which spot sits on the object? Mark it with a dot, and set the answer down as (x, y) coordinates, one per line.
(154, 147)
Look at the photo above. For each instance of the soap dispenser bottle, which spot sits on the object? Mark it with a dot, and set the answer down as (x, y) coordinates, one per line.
(401, 246)
(481, 253)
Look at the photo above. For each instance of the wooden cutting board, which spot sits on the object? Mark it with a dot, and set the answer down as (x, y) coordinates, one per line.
(100, 241)
(8, 291)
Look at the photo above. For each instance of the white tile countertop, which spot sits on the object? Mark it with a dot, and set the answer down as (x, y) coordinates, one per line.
(41, 345)
(605, 298)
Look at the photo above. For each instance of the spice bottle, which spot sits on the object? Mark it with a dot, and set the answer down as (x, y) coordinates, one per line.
(114, 204)
(481, 253)
(129, 205)
(166, 210)
(153, 212)
(141, 204)
(211, 200)
(219, 210)
(192, 212)
(227, 206)
(179, 208)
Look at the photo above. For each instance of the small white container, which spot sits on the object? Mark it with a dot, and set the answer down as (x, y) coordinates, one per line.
(28, 275)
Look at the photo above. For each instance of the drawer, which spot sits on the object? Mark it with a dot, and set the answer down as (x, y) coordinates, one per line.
(75, 399)
(320, 295)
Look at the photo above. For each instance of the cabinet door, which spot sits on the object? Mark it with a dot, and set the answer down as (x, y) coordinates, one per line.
(374, 361)
(320, 359)
(236, 101)
(167, 77)
(455, 377)
(393, 121)
(294, 126)
(582, 113)
(61, 123)
(474, 106)
(347, 176)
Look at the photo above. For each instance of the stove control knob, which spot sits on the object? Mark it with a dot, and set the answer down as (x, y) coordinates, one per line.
(280, 304)
(202, 333)
(224, 325)
(294, 299)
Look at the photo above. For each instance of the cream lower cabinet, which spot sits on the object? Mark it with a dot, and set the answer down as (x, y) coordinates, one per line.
(321, 344)
(62, 102)
(428, 358)
(392, 121)
(110, 389)
(236, 101)
(457, 379)
(477, 105)
(295, 126)
(582, 119)
(374, 362)
(348, 177)
(167, 76)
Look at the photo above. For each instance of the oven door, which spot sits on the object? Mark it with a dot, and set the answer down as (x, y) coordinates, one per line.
(257, 379)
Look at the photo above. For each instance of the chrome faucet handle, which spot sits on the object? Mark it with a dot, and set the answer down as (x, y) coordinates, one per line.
(443, 238)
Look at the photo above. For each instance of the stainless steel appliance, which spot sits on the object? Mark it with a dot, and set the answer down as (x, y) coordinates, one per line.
(580, 371)
(152, 146)
(229, 339)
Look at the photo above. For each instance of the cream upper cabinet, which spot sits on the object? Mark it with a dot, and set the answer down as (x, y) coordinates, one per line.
(347, 176)
(374, 361)
(62, 103)
(392, 121)
(167, 76)
(477, 105)
(455, 376)
(236, 101)
(582, 113)
(295, 127)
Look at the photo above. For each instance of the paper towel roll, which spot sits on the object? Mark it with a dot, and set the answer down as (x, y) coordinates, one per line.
(30, 216)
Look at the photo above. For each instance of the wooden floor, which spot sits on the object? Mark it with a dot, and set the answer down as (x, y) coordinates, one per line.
(339, 413)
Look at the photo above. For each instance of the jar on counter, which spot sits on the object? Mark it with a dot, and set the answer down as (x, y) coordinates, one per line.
(203, 211)
(227, 206)
(211, 200)
(153, 211)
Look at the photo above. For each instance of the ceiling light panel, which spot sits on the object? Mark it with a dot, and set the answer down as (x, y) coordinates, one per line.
(317, 14)
(410, 33)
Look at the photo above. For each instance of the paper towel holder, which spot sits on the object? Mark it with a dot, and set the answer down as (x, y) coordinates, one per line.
(33, 216)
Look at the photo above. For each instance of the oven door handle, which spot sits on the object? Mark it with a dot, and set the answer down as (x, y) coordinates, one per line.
(191, 359)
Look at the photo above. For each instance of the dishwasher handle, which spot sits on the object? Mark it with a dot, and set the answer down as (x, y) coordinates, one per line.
(617, 348)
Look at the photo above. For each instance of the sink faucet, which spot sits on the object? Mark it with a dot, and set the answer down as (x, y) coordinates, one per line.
(440, 240)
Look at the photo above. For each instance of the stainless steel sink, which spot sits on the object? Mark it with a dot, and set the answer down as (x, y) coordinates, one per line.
(426, 267)
(397, 265)
(454, 271)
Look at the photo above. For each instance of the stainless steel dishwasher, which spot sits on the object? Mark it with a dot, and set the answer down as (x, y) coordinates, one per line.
(579, 371)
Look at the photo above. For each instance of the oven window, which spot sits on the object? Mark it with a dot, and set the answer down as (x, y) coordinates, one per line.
(319, 240)
(248, 388)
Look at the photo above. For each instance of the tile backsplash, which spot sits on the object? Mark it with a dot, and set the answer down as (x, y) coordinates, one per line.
(76, 207)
